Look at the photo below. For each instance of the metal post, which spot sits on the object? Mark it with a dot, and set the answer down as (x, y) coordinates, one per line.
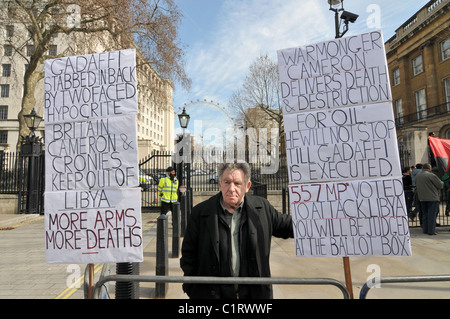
(183, 209)
(162, 253)
(189, 202)
(31, 152)
(175, 229)
(127, 289)
(336, 24)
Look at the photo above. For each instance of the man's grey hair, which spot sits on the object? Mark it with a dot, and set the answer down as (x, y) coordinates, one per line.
(234, 166)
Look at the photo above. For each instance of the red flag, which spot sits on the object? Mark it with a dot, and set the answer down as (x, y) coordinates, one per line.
(441, 151)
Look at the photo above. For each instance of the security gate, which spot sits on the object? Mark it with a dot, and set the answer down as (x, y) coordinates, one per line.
(31, 164)
(151, 170)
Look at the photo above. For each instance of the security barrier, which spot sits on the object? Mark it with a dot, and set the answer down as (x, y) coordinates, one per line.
(221, 280)
(365, 289)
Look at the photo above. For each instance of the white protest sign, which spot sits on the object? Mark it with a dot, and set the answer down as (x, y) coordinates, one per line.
(92, 203)
(341, 144)
(356, 218)
(89, 226)
(90, 86)
(341, 72)
(101, 153)
(344, 171)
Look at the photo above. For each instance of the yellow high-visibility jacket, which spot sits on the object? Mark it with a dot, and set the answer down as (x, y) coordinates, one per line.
(167, 189)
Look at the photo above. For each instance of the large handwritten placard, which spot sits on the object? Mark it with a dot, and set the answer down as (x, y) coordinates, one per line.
(336, 73)
(356, 218)
(92, 203)
(341, 144)
(91, 154)
(87, 226)
(344, 171)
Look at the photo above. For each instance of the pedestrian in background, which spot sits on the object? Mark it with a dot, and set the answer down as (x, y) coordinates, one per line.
(416, 203)
(167, 190)
(447, 193)
(428, 190)
(408, 189)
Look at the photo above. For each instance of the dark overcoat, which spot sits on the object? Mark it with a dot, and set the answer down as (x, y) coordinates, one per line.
(202, 246)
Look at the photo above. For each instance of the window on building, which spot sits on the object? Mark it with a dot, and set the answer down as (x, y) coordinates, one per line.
(3, 137)
(417, 65)
(6, 70)
(421, 104)
(396, 75)
(447, 92)
(3, 112)
(445, 49)
(30, 50)
(53, 49)
(399, 110)
(11, 12)
(9, 31)
(447, 134)
(4, 90)
(7, 50)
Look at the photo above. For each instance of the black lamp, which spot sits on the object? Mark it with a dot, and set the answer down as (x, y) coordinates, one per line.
(32, 120)
(336, 6)
(184, 119)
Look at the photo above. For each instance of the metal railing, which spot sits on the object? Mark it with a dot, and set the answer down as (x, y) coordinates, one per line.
(221, 280)
(427, 114)
(406, 279)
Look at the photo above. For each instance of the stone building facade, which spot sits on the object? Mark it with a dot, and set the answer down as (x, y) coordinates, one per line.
(418, 57)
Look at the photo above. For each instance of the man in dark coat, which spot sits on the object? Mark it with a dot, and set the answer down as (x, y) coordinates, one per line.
(230, 235)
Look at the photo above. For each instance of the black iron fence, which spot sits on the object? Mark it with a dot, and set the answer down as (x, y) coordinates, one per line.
(15, 178)
(271, 172)
(9, 173)
(23, 174)
(151, 169)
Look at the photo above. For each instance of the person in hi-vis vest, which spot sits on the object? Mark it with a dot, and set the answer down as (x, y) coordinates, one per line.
(167, 190)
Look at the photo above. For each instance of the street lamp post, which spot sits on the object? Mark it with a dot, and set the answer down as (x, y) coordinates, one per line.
(32, 144)
(338, 6)
(31, 149)
(184, 118)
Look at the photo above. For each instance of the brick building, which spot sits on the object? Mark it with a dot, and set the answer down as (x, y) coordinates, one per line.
(418, 57)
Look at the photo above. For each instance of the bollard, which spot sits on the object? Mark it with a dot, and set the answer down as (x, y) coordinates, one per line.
(162, 252)
(126, 289)
(188, 203)
(175, 230)
(183, 209)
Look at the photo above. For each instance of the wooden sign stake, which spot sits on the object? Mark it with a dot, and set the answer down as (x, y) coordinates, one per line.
(348, 276)
(91, 280)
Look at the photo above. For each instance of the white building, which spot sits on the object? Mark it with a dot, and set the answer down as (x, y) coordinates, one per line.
(155, 121)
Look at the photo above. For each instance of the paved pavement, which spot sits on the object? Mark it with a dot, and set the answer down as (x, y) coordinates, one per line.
(25, 275)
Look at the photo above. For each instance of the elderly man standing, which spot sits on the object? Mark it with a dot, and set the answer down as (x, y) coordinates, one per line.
(230, 235)
(428, 187)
